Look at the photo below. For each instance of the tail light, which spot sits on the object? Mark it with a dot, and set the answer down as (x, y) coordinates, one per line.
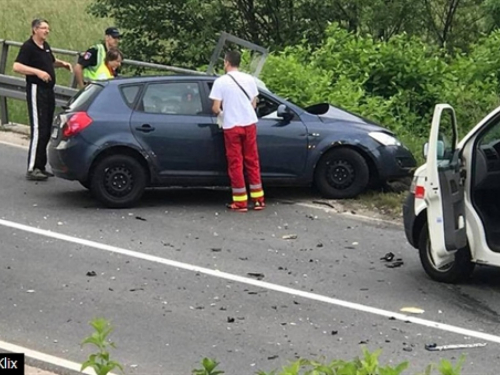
(76, 123)
(419, 192)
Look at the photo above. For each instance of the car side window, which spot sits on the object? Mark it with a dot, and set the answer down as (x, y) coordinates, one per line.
(266, 107)
(446, 138)
(175, 98)
(129, 93)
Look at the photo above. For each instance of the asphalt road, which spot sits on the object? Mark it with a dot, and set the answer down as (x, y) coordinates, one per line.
(241, 293)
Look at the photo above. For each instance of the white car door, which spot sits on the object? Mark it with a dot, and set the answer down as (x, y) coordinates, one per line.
(444, 188)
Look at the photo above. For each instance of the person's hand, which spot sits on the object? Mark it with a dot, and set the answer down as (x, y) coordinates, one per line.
(66, 65)
(44, 76)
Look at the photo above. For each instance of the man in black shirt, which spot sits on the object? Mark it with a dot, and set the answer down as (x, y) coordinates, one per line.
(36, 61)
(91, 60)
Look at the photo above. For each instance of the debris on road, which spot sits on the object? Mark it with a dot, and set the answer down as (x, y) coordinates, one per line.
(257, 275)
(230, 319)
(396, 264)
(438, 348)
(289, 237)
(412, 310)
(216, 249)
(91, 274)
(140, 218)
(388, 257)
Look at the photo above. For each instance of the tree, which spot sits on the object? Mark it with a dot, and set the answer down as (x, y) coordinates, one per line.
(184, 32)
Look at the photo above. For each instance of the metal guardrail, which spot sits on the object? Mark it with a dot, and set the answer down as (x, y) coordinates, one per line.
(15, 87)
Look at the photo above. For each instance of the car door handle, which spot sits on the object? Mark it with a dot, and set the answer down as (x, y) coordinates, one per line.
(145, 128)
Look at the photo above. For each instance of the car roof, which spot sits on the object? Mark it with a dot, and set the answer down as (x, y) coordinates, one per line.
(175, 77)
(170, 77)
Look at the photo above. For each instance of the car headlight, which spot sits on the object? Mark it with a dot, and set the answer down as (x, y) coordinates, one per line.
(385, 139)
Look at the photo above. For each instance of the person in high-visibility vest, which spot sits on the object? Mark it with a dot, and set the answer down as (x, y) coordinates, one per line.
(112, 63)
(92, 60)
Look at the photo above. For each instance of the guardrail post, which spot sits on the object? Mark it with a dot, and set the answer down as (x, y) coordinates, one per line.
(4, 50)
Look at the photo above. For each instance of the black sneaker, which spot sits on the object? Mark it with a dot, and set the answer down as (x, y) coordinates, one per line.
(36, 175)
(47, 173)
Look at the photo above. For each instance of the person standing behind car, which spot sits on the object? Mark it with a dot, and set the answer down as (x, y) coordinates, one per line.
(93, 59)
(36, 61)
(234, 98)
(112, 63)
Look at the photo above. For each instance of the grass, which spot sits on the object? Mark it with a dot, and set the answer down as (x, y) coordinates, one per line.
(72, 28)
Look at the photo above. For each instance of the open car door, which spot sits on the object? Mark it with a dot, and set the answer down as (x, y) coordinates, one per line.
(445, 188)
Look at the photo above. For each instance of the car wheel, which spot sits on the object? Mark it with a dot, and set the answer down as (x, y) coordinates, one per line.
(458, 270)
(342, 173)
(118, 181)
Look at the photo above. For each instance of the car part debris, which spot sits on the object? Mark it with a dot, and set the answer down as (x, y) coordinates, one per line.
(439, 348)
(388, 257)
(412, 310)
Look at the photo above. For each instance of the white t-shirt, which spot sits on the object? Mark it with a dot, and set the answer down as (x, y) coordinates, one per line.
(238, 109)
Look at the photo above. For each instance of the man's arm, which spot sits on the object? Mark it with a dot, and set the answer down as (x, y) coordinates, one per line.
(216, 107)
(29, 71)
(78, 71)
(63, 64)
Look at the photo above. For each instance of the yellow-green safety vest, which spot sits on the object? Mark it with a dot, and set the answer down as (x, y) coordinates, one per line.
(90, 72)
(103, 73)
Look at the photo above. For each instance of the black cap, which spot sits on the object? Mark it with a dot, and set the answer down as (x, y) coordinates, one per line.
(113, 31)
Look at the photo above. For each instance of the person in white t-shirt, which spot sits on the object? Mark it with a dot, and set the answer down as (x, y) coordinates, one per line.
(234, 98)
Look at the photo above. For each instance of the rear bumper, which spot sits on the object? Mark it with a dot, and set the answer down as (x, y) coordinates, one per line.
(409, 219)
(70, 159)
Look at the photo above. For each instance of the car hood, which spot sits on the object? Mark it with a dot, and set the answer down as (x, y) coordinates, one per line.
(330, 114)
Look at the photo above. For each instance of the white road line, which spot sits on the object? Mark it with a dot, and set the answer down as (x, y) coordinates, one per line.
(257, 283)
(13, 145)
(46, 358)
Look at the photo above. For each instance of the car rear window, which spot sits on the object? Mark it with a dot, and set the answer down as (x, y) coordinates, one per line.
(82, 100)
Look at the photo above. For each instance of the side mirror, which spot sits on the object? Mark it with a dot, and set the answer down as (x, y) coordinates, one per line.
(425, 151)
(440, 150)
(284, 112)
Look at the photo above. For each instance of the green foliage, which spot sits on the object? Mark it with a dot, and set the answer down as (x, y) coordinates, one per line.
(208, 368)
(100, 361)
(368, 364)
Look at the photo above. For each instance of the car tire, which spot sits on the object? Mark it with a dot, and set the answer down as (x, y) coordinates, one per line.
(459, 270)
(118, 181)
(342, 173)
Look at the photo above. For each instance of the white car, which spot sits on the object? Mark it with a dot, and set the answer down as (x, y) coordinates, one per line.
(452, 213)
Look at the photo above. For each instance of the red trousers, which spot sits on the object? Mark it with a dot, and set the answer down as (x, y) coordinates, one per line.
(242, 155)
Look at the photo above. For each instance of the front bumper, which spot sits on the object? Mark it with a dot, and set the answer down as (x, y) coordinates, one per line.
(395, 162)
